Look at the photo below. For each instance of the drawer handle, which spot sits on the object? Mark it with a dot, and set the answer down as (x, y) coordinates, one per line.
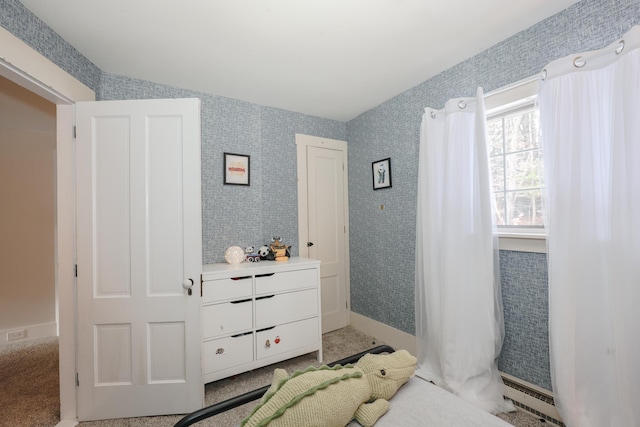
(240, 301)
(267, 343)
(266, 329)
(265, 275)
(220, 350)
(241, 278)
(242, 334)
(265, 297)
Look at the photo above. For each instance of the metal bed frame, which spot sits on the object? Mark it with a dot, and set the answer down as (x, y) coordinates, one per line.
(250, 396)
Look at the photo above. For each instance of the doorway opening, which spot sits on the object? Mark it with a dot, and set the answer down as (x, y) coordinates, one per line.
(23, 65)
(28, 309)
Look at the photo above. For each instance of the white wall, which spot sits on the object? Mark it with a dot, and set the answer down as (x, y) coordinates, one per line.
(27, 212)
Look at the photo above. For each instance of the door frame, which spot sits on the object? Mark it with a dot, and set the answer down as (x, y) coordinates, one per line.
(23, 65)
(302, 142)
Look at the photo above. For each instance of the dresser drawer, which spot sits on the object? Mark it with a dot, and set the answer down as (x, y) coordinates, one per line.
(284, 308)
(286, 281)
(227, 352)
(226, 289)
(284, 338)
(227, 318)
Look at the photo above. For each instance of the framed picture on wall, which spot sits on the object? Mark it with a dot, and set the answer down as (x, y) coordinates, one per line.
(381, 172)
(237, 169)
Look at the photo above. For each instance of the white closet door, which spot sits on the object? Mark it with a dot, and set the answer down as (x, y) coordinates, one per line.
(138, 248)
(327, 230)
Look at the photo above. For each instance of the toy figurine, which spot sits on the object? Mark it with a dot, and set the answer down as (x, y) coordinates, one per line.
(251, 255)
(280, 250)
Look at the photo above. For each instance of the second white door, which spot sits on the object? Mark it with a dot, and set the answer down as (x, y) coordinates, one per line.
(324, 221)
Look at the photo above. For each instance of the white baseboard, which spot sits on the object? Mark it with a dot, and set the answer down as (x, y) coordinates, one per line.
(67, 423)
(31, 332)
(384, 333)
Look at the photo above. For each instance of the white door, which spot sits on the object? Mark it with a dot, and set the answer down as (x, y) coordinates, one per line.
(138, 249)
(323, 221)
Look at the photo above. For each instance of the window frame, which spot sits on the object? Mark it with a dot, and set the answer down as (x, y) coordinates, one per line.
(511, 98)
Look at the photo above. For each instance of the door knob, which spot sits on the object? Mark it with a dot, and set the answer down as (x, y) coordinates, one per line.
(309, 244)
(187, 284)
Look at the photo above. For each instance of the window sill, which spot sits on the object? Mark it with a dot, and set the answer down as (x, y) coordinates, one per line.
(535, 241)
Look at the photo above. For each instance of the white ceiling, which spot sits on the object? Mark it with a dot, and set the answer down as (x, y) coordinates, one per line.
(327, 58)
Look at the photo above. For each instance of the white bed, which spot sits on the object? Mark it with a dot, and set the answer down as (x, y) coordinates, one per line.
(420, 403)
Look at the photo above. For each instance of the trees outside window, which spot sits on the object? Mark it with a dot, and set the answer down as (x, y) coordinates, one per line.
(516, 165)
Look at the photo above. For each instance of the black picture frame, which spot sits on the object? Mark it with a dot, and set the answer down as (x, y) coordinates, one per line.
(237, 169)
(381, 173)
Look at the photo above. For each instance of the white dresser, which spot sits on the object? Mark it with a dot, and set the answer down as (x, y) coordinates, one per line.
(256, 314)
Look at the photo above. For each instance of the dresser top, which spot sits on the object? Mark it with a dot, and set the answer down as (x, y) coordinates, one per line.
(249, 268)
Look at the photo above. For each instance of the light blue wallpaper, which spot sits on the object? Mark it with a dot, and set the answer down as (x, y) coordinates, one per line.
(525, 296)
(231, 214)
(279, 190)
(382, 241)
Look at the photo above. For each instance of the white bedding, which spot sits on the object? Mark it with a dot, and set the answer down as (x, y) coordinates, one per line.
(421, 404)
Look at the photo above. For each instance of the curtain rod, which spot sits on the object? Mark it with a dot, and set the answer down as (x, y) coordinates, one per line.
(513, 85)
(496, 94)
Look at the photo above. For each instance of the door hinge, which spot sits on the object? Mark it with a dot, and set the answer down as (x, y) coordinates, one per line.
(74, 132)
(77, 380)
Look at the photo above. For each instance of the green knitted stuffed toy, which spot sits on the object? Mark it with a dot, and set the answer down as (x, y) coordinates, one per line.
(331, 397)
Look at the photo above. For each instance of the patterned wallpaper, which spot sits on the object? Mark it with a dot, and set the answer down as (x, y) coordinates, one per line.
(525, 298)
(382, 240)
(239, 215)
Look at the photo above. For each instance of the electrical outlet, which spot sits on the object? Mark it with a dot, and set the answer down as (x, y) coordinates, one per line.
(16, 335)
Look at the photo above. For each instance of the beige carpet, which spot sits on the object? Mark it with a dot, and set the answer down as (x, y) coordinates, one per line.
(29, 385)
(29, 391)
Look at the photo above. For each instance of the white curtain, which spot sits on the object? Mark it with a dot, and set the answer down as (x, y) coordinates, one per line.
(459, 324)
(590, 121)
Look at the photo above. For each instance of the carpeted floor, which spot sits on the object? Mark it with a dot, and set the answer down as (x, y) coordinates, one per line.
(29, 385)
(29, 390)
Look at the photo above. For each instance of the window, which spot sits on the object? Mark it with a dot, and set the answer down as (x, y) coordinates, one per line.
(516, 165)
(516, 161)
